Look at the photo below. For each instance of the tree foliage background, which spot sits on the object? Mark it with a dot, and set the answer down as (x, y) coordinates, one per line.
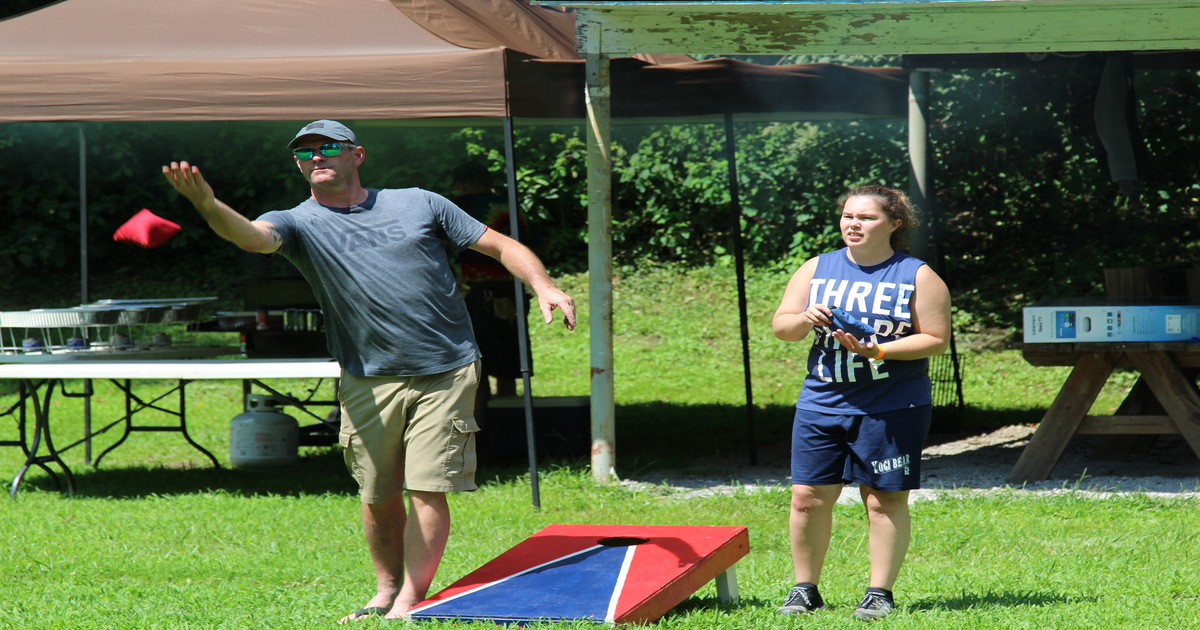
(1025, 208)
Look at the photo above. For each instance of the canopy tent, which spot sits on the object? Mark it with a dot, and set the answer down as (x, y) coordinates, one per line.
(453, 60)
(260, 60)
(191, 60)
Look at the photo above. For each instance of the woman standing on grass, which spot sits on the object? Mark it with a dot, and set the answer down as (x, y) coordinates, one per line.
(864, 411)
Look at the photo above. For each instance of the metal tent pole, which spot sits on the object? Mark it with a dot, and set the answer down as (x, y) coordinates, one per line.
(522, 320)
(83, 218)
(924, 246)
(600, 287)
(928, 242)
(735, 211)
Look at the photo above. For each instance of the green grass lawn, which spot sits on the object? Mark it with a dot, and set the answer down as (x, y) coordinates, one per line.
(213, 549)
(158, 538)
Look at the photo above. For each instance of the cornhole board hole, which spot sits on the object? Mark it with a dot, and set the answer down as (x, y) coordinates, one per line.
(613, 574)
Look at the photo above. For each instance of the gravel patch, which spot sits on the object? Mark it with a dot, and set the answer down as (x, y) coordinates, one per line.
(1160, 466)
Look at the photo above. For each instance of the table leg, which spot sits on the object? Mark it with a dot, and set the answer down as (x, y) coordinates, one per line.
(1175, 392)
(126, 422)
(1139, 401)
(1072, 403)
(180, 414)
(184, 430)
(18, 412)
(41, 432)
(87, 421)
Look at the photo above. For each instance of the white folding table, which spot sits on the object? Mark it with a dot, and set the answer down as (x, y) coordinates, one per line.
(39, 379)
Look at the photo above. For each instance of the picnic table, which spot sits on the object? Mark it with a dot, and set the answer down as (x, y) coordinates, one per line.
(1164, 400)
(39, 380)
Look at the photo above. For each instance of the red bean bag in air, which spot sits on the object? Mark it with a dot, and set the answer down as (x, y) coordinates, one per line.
(146, 229)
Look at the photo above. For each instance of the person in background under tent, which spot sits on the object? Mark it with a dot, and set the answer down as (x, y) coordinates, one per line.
(491, 294)
(378, 263)
(865, 408)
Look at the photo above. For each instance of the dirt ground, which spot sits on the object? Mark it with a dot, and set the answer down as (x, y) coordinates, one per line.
(1160, 465)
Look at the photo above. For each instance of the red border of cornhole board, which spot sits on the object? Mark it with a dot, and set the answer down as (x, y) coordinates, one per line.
(671, 565)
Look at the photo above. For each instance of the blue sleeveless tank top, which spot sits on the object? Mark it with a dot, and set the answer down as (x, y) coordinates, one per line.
(841, 382)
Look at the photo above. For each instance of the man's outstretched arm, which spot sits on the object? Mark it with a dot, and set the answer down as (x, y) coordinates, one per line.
(229, 224)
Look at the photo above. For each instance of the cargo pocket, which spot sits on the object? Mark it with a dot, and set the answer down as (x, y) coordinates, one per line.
(460, 461)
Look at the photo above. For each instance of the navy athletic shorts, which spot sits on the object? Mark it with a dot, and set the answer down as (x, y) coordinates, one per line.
(882, 450)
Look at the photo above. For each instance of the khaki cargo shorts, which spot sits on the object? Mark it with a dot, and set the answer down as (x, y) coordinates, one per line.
(415, 433)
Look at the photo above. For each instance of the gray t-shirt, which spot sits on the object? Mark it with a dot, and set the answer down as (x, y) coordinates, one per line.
(382, 276)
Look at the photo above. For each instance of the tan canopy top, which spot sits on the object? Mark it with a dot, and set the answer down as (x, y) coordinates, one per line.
(189, 60)
(259, 60)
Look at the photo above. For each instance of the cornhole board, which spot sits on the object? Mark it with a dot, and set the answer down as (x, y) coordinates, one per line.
(613, 574)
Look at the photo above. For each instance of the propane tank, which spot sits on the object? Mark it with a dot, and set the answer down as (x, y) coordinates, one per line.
(263, 435)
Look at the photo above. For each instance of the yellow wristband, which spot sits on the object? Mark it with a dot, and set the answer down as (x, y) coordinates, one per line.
(881, 352)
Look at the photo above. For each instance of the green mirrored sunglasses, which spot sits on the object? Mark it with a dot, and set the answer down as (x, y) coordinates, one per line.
(332, 149)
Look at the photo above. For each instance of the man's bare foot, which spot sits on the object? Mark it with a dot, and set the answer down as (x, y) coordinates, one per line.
(379, 605)
(363, 613)
(399, 609)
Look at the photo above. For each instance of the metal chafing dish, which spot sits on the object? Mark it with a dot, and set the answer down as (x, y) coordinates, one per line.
(155, 311)
(97, 326)
(60, 318)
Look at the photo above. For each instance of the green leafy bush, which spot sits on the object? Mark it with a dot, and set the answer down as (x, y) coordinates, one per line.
(1024, 206)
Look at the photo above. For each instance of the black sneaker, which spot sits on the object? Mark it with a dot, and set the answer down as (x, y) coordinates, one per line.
(874, 605)
(801, 599)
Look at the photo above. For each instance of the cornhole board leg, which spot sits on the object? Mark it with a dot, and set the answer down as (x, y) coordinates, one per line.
(616, 574)
(727, 590)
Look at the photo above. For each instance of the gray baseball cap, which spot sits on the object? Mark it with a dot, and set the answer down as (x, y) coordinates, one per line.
(331, 129)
